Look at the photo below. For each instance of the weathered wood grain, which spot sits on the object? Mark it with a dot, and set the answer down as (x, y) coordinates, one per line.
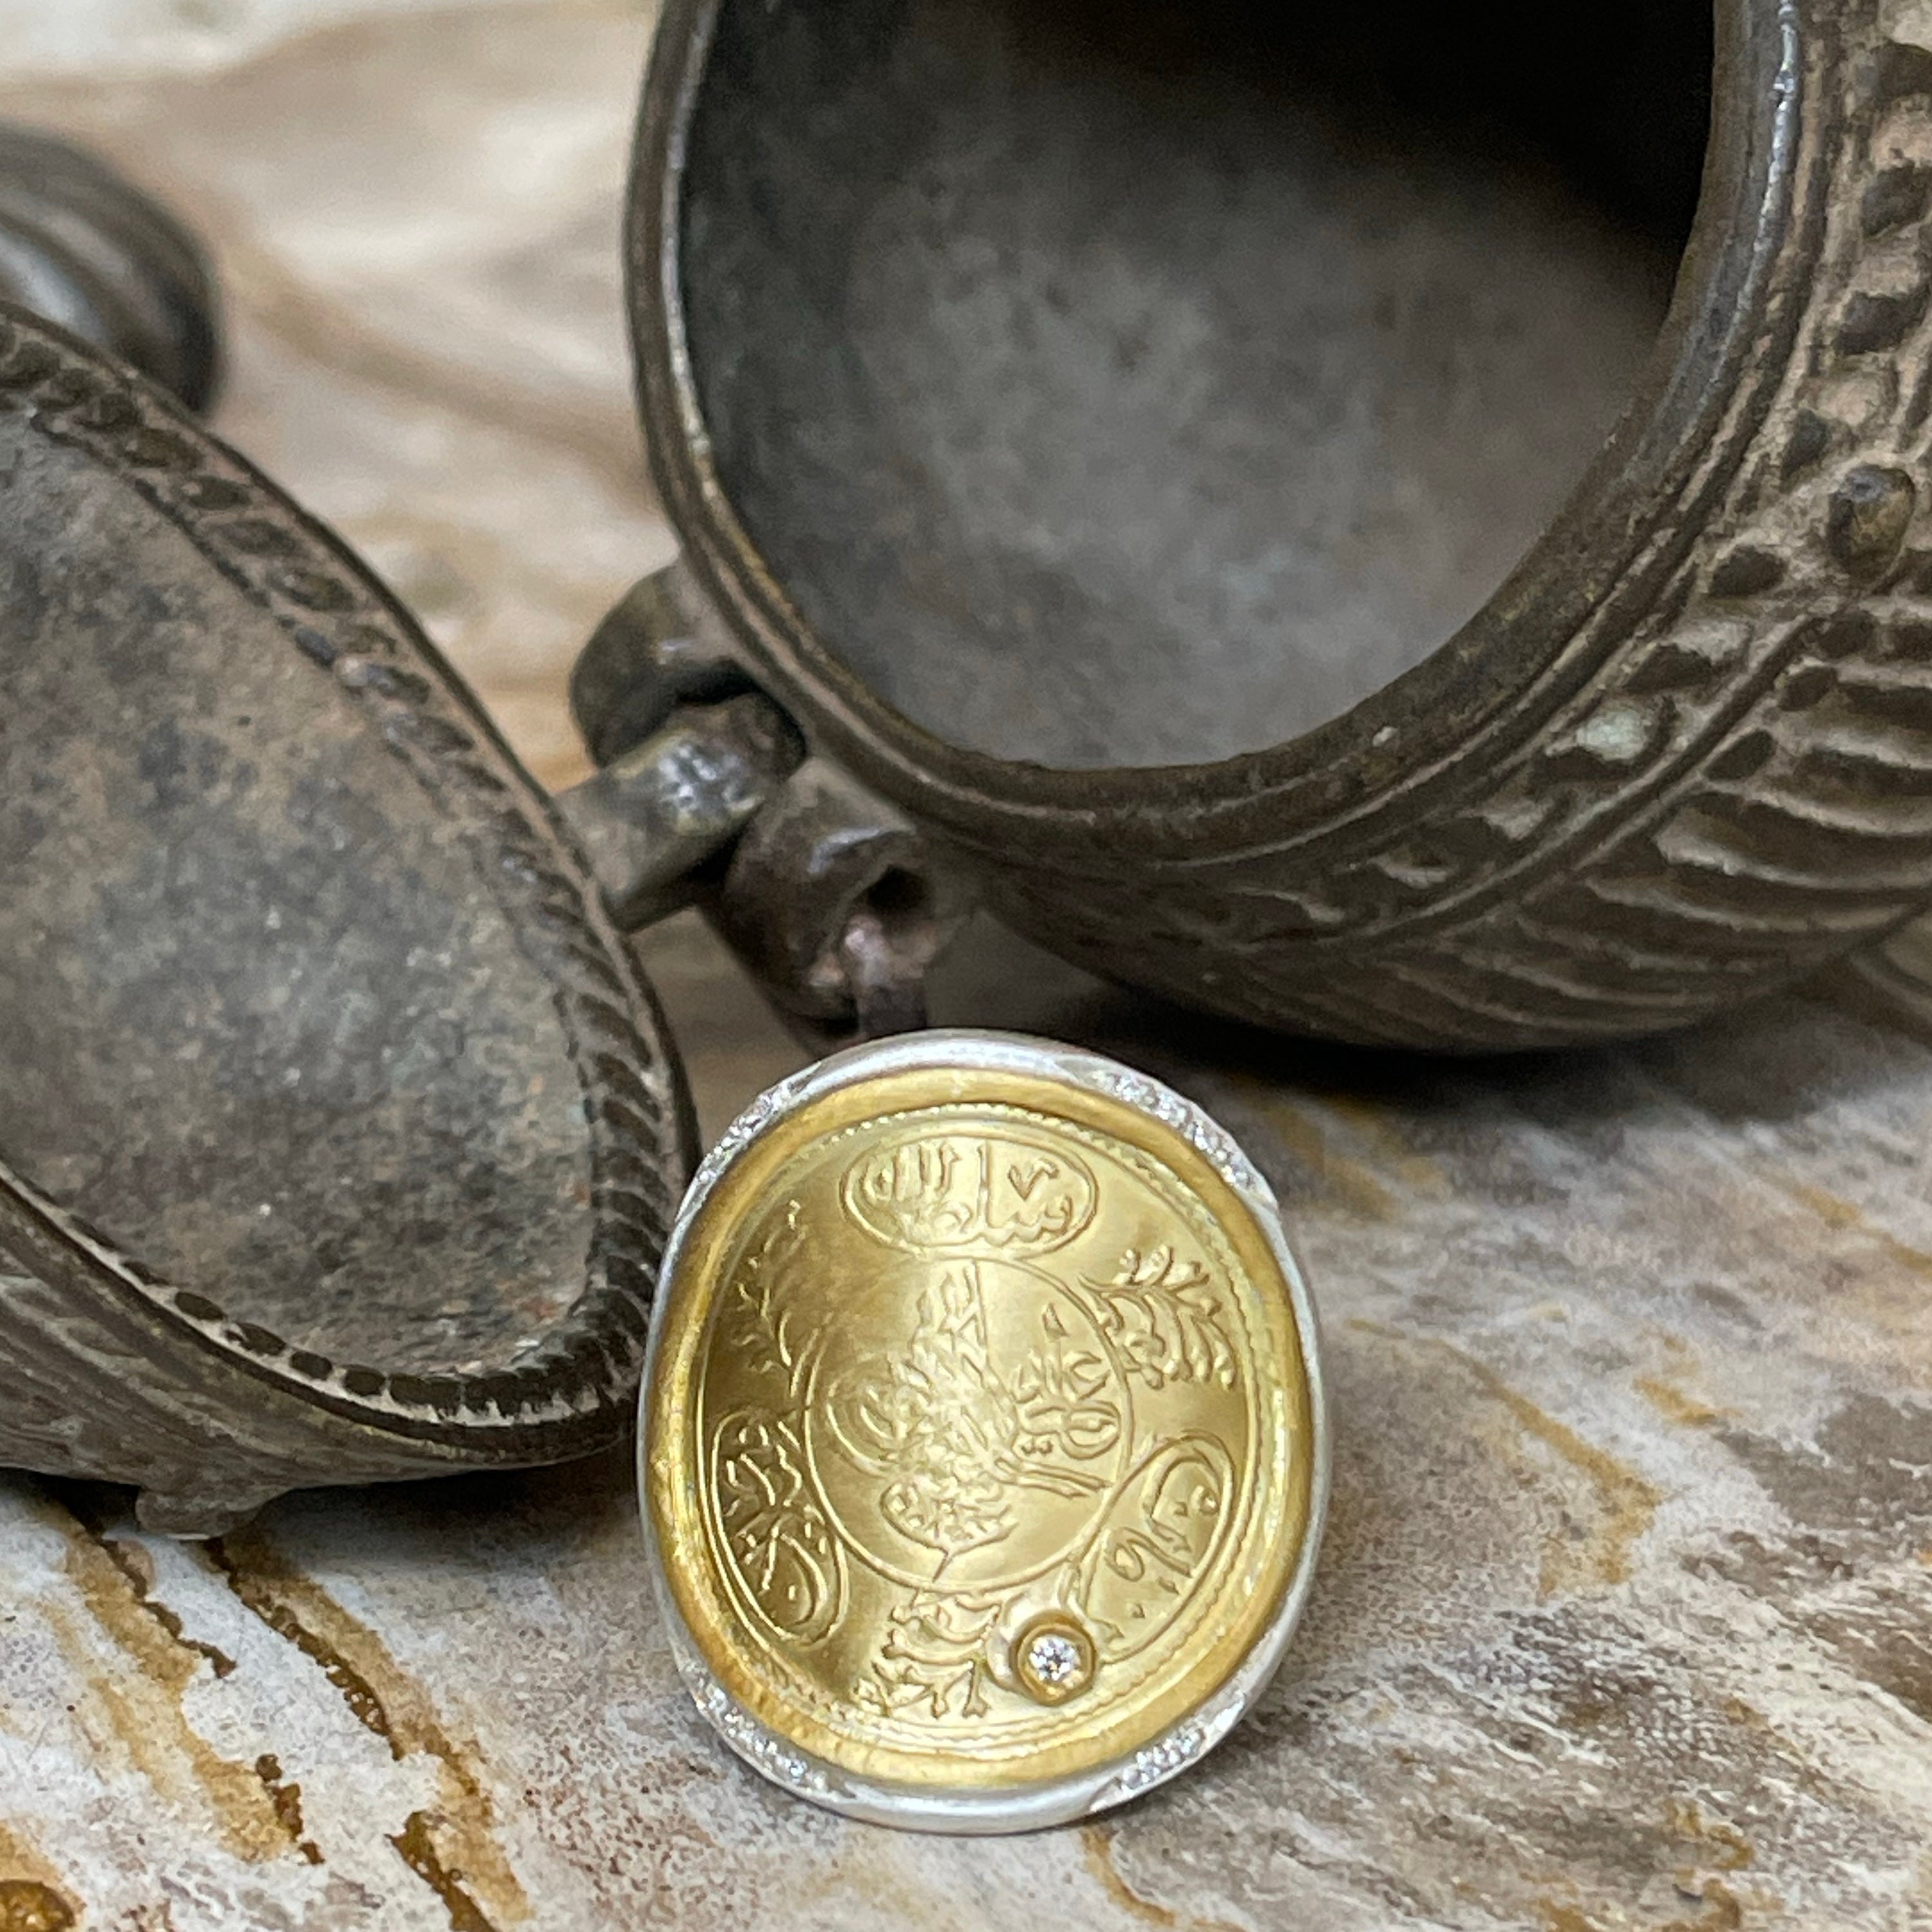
(1621, 1622)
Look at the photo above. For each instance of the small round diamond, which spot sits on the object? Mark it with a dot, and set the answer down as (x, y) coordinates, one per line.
(1053, 1659)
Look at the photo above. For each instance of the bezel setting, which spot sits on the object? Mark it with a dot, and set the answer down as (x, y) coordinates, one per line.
(1053, 1800)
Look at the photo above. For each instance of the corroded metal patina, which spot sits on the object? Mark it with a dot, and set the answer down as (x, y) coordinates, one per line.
(983, 1448)
(983, 362)
(830, 895)
(338, 1133)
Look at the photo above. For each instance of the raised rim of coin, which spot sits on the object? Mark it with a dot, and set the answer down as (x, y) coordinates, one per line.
(1054, 1801)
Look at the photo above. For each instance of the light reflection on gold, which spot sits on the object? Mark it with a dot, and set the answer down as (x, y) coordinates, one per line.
(953, 1358)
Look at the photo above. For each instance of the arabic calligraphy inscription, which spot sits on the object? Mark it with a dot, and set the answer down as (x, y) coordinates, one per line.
(980, 1400)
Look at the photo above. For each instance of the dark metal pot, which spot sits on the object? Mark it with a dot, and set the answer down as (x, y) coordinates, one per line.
(1153, 447)
(340, 1134)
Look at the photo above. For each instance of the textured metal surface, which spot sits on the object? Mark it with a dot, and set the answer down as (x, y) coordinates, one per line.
(828, 893)
(982, 1448)
(337, 1125)
(1678, 759)
(652, 820)
(835, 901)
(658, 647)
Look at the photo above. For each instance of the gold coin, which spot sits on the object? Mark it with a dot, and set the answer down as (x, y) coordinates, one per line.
(980, 1440)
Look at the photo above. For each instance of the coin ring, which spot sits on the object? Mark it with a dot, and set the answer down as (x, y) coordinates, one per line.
(733, 1647)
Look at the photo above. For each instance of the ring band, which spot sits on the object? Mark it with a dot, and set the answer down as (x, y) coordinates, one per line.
(982, 1451)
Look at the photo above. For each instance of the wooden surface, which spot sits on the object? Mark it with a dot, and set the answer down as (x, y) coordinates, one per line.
(1623, 1621)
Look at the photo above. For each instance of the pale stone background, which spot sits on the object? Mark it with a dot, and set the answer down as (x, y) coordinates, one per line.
(1625, 1621)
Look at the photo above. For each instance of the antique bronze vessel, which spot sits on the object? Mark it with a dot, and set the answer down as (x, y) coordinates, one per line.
(1154, 450)
(978, 354)
(339, 1133)
(1056, 532)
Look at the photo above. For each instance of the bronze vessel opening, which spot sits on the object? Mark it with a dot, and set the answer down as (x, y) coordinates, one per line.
(1257, 492)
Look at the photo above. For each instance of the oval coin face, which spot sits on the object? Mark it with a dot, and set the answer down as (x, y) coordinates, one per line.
(983, 1448)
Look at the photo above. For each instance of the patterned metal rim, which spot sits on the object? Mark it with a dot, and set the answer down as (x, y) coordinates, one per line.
(568, 1395)
(1760, 217)
(1673, 765)
(1026, 1808)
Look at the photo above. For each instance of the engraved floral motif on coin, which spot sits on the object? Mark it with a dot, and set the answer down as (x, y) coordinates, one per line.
(993, 1432)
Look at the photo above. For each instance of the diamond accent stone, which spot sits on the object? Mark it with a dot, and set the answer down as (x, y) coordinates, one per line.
(1053, 1659)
